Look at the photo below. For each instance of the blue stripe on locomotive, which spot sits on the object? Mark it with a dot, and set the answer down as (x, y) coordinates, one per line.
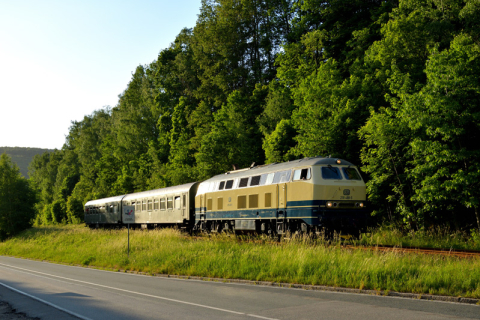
(309, 211)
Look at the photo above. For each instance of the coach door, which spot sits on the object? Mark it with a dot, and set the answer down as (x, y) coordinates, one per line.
(184, 204)
(282, 196)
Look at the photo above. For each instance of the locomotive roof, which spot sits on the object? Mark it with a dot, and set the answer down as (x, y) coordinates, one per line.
(104, 200)
(274, 167)
(151, 193)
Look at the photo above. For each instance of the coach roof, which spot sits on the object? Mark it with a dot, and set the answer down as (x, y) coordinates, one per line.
(163, 191)
(104, 200)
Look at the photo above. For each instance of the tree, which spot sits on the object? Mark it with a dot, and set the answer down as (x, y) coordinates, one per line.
(74, 210)
(233, 140)
(446, 115)
(17, 200)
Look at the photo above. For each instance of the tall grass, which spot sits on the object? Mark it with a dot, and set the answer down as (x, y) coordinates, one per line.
(438, 237)
(296, 261)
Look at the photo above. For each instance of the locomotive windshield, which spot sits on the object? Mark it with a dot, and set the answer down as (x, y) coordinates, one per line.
(331, 173)
(351, 174)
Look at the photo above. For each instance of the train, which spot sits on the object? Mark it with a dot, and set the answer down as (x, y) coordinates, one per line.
(309, 195)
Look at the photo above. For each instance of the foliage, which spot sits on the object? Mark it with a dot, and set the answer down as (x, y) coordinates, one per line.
(17, 199)
(74, 210)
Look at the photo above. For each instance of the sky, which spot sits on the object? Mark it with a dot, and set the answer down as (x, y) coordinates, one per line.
(61, 59)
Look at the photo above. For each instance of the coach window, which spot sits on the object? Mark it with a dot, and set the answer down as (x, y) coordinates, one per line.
(138, 206)
(170, 203)
(177, 202)
(282, 176)
(144, 205)
(150, 206)
(229, 184)
(184, 200)
(243, 183)
(255, 181)
(162, 204)
(270, 177)
(331, 173)
(264, 178)
(351, 174)
(301, 174)
(155, 204)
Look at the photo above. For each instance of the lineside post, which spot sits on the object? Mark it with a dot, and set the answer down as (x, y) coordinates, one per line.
(128, 216)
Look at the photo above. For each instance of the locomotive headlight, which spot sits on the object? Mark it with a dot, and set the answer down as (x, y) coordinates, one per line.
(329, 204)
(361, 204)
(338, 161)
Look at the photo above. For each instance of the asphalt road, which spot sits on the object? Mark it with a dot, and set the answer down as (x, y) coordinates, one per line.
(52, 291)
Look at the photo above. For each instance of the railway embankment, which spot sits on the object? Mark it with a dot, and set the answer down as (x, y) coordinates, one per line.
(303, 262)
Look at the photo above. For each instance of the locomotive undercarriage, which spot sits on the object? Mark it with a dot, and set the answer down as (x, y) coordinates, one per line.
(329, 227)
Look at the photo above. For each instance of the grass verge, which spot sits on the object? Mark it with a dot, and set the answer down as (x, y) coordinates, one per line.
(439, 238)
(301, 261)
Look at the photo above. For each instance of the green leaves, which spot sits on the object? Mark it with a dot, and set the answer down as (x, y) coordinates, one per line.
(17, 199)
(233, 139)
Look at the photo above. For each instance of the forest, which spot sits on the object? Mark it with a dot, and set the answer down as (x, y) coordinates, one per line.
(392, 86)
(22, 156)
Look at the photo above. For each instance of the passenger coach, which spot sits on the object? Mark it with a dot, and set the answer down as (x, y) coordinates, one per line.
(172, 206)
(305, 195)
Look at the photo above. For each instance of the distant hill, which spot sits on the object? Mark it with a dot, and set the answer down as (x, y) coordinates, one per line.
(22, 156)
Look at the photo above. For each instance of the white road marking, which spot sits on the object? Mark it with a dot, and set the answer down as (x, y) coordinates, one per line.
(46, 302)
(134, 292)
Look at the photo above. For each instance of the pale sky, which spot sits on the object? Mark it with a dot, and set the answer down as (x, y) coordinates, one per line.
(62, 59)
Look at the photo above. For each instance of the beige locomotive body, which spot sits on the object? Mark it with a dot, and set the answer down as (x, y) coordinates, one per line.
(297, 195)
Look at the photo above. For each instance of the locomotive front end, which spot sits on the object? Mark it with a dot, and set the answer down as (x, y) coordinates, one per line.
(341, 195)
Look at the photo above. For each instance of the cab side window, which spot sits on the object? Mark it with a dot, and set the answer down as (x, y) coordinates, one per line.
(302, 174)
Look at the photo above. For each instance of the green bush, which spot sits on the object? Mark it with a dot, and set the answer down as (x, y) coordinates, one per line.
(74, 210)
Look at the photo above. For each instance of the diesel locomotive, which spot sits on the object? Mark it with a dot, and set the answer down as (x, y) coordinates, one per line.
(307, 195)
